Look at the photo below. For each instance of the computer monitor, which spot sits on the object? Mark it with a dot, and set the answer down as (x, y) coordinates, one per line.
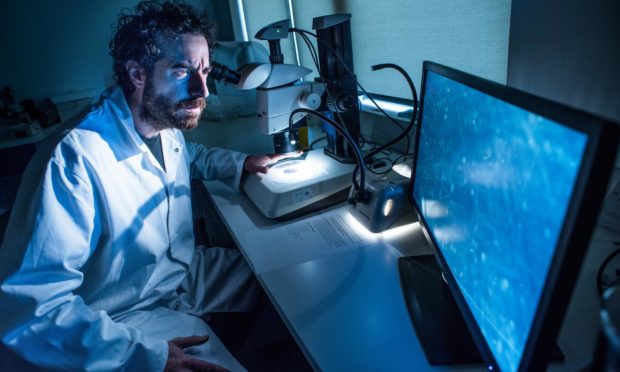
(507, 187)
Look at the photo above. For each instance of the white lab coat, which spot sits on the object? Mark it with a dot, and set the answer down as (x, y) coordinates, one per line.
(98, 245)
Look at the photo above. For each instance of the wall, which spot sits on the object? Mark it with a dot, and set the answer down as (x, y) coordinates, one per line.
(56, 47)
(569, 51)
(471, 35)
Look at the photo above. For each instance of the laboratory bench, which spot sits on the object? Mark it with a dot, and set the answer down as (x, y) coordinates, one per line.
(343, 301)
(345, 307)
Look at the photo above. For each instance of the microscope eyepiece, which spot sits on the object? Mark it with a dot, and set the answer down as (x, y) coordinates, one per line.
(222, 73)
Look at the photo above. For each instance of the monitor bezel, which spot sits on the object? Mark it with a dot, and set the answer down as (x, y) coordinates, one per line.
(584, 205)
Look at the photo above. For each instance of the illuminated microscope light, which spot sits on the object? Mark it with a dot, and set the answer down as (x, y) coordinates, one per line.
(394, 233)
(387, 207)
(402, 169)
(292, 171)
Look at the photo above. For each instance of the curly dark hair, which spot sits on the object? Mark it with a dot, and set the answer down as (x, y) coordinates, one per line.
(138, 34)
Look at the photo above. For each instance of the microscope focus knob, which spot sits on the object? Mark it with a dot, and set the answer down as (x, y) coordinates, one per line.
(341, 103)
(310, 100)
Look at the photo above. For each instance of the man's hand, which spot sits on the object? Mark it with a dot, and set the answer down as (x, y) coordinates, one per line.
(179, 361)
(259, 163)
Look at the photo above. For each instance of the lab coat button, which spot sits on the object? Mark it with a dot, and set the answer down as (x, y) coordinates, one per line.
(176, 149)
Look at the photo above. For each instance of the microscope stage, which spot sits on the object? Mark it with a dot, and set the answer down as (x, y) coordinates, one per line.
(297, 183)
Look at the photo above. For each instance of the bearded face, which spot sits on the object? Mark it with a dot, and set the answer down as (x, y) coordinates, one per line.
(164, 111)
(176, 87)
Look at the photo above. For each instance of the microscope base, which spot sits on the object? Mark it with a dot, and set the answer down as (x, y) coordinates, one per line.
(295, 184)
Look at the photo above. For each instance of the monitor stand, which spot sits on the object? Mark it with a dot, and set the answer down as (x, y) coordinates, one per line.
(437, 321)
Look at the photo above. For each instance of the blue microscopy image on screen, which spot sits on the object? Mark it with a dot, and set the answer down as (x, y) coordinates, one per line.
(493, 183)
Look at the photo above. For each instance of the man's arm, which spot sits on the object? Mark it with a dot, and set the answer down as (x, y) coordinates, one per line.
(228, 165)
(43, 320)
(260, 163)
(216, 164)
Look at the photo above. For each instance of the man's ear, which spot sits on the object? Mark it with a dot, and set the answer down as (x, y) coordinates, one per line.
(136, 73)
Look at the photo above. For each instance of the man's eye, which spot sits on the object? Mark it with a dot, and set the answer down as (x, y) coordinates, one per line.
(180, 73)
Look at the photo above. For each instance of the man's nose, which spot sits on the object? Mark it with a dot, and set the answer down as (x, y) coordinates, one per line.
(198, 85)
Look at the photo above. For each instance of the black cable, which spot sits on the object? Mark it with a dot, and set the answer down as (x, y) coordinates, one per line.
(384, 113)
(404, 132)
(304, 34)
(372, 147)
(415, 104)
(357, 82)
(362, 195)
(414, 115)
(364, 142)
(388, 164)
(387, 152)
(402, 157)
(311, 50)
(599, 274)
(371, 163)
(301, 30)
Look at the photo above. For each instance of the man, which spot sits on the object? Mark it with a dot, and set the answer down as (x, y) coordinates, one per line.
(98, 269)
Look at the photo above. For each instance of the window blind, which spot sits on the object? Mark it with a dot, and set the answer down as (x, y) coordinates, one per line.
(470, 35)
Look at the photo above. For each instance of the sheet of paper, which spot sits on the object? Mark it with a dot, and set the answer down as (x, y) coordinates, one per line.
(285, 245)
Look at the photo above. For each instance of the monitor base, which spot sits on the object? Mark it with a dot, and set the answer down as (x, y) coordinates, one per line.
(437, 321)
(439, 325)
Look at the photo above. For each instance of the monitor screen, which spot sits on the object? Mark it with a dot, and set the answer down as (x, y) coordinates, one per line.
(493, 184)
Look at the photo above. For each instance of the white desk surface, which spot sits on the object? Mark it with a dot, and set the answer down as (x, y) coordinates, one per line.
(346, 310)
(241, 217)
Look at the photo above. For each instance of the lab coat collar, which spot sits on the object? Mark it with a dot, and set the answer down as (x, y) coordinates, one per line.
(126, 141)
(114, 100)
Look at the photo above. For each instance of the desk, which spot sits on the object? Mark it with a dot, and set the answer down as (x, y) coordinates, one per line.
(345, 310)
